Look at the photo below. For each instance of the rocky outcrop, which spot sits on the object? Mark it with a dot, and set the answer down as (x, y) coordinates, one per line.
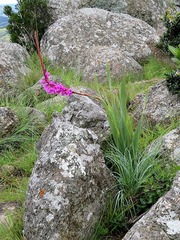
(8, 121)
(70, 183)
(160, 106)
(150, 11)
(162, 221)
(12, 64)
(90, 38)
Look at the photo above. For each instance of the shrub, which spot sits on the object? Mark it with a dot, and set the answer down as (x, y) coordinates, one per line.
(172, 35)
(30, 16)
(173, 83)
(173, 79)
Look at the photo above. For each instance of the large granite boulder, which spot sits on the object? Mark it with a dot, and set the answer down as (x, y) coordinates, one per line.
(160, 106)
(12, 65)
(8, 121)
(89, 38)
(70, 182)
(150, 11)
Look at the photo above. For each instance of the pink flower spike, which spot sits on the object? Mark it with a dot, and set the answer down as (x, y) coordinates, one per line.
(54, 88)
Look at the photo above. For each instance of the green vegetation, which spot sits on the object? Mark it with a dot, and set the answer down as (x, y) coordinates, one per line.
(23, 23)
(126, 155)
(3, 34)
(136, 168)
(173, 78)
(172, 35)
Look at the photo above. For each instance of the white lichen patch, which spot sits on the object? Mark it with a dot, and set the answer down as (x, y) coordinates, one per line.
(35, 179)
(49, 218)
(59, 188)
(173, 227)
(89, 216)
(55, 202)
(66, 170)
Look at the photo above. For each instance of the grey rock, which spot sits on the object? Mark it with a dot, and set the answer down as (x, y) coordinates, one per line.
(89, 38)
(70, 182)
(170, 145)
(95, 60)
(150, 11)
(8, 121)
(12, 65)
(162, 222)
(83, 112)
(63, 8)
(117, 6)
(160, 106)
(38, 117)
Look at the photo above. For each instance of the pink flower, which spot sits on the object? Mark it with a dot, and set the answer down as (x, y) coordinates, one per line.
(54, 88)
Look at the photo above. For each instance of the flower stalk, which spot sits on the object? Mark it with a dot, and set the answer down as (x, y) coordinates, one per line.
(50, 86)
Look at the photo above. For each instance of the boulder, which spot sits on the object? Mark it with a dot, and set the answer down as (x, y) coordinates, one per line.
(89, 38)
(70, 182)
(12, 65)
(8, 121)
(63, 8)
(160, 106)
(150, 11)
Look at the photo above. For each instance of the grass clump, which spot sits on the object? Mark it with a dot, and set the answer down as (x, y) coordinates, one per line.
(136, 168)
(13, 228)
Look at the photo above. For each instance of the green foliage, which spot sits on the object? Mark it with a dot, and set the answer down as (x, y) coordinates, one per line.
(31, 15)
(173, 82)
(121, 123)
(136, 168)
(26, 131)
(173, 78)
(156, 68)
(176, 53)
(156, 185)
(117, 219)
(13, 228)
(172, 35)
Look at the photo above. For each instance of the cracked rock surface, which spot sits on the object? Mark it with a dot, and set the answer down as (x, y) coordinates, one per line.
(70, 182)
